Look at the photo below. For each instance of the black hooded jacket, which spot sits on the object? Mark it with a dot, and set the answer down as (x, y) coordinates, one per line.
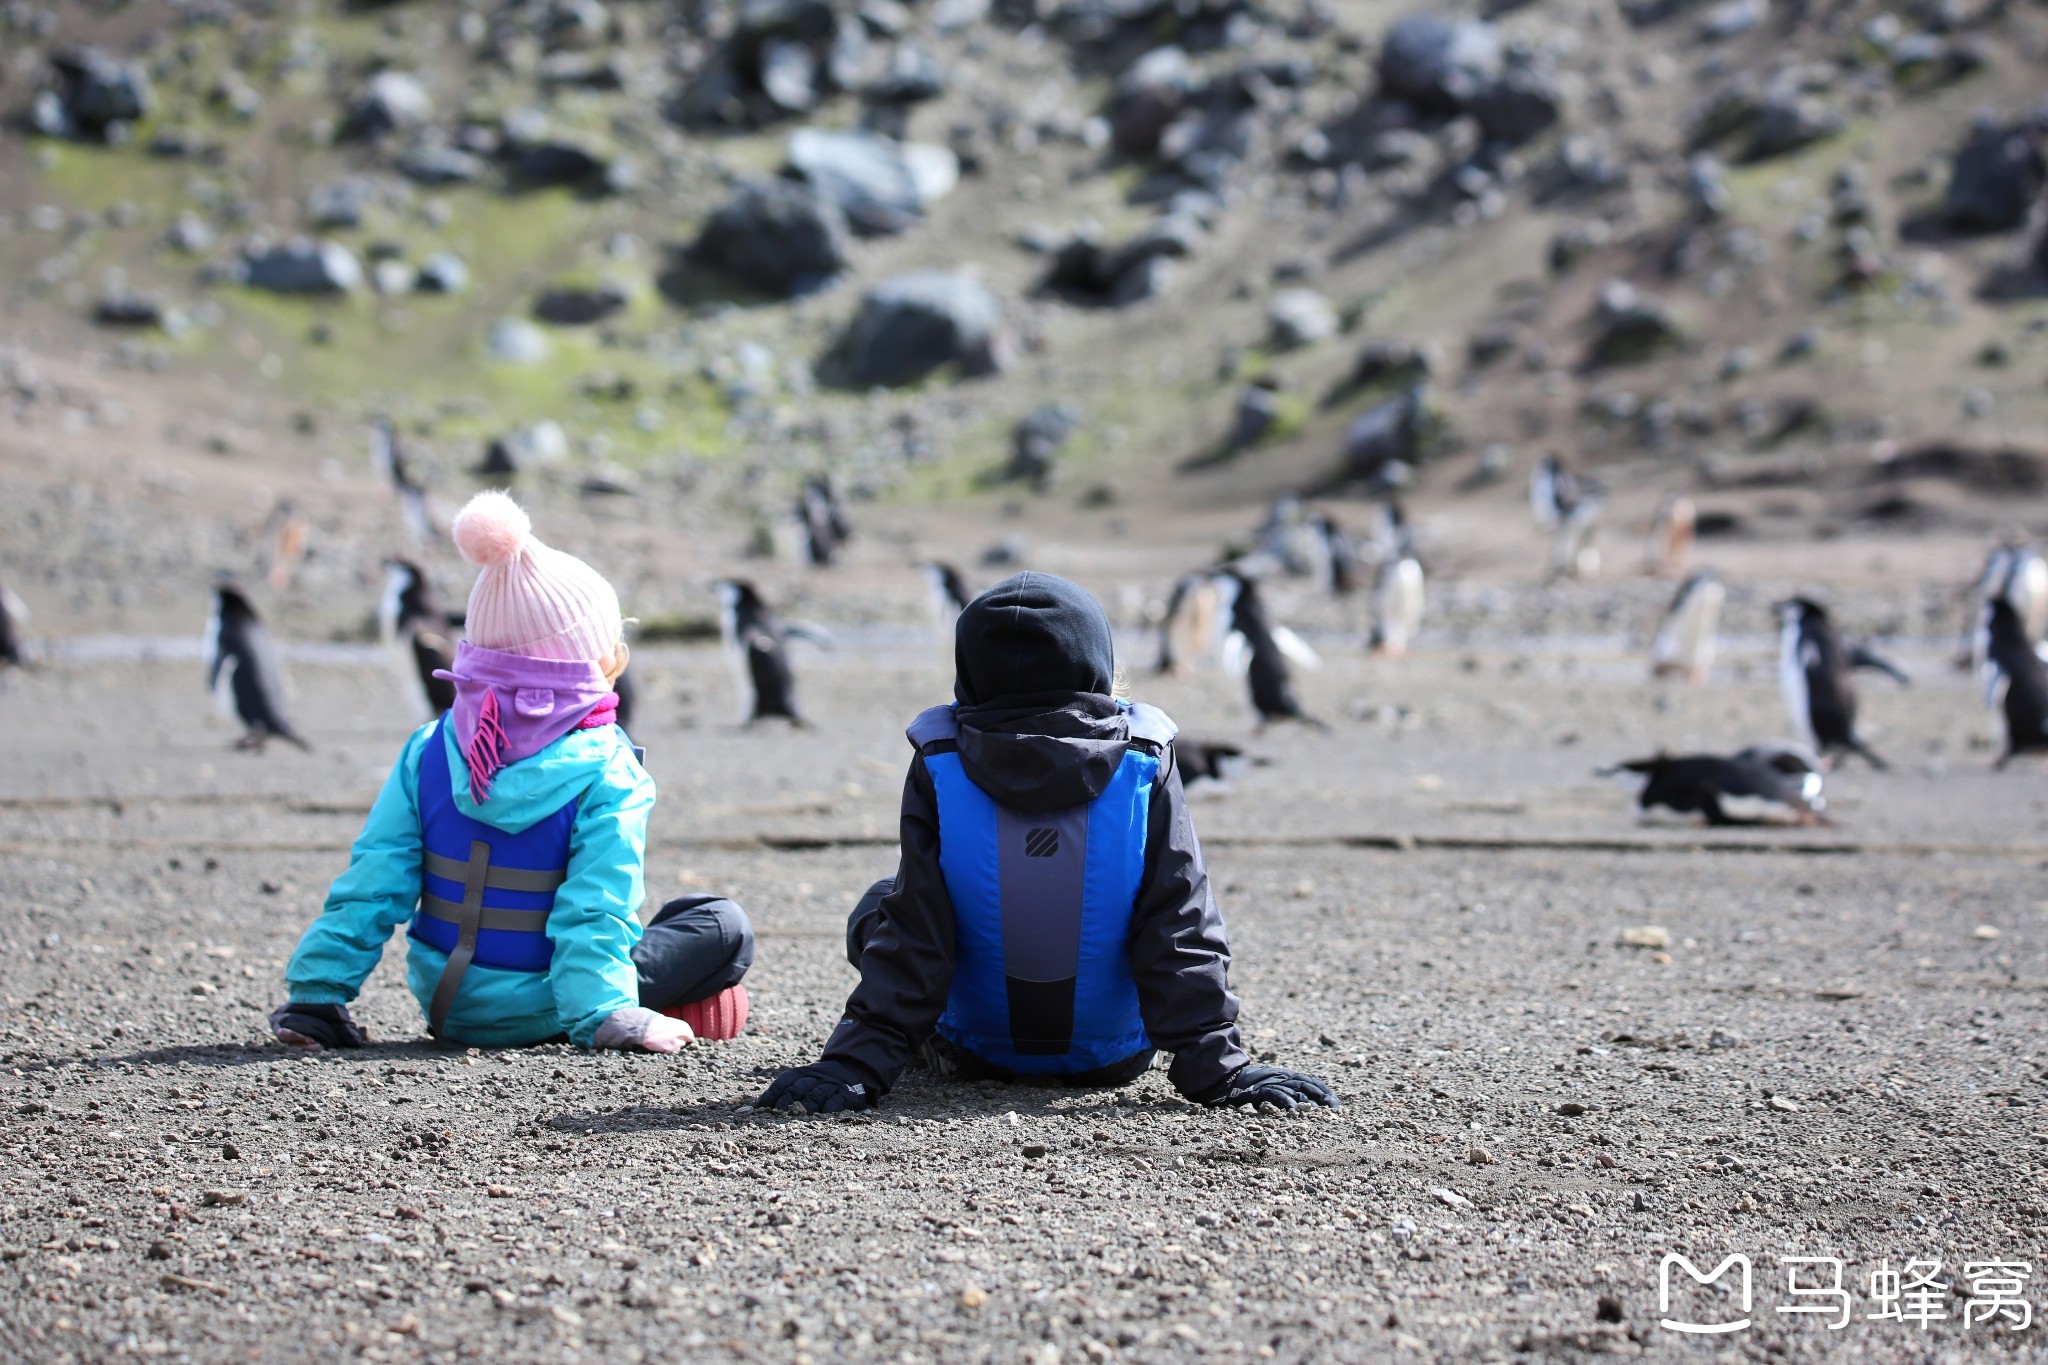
(1039, 731)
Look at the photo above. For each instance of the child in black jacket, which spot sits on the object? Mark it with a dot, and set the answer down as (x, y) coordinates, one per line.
(1050, 915)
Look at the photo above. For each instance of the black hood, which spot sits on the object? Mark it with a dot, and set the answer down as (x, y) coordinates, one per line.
(1033, 662)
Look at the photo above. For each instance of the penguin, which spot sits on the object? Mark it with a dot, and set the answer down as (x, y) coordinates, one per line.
(1343, 567)
(2017, 574)
(1391, 537)
(242, 671)
(1569, 507)
(14, 613)
(758, 644)
(420, 634)
(1553, 492)
(284, 544)
(1290, 540)
(2015, 681)
(949, 597)
(388, 456)
(1191, 629)
(1684, 647)
(1766, 784)
(1210, 761)
(1397, 606)
(1262, 651)
(821, 517)
(1813, 673)
(1671, 535)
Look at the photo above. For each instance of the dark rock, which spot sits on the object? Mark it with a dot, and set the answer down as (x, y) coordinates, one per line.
(1608, 1309)
(789, 75)
(340, 203)
(1390, 433)
(543, 159)
(1521, 105)
(303, 266)
(1994, 180)
(434, 164)
(579, 307)
(1145, 279)
(1258, 412)
(1087, 273)
(1383, 362)
(882, 186)
(444, 272)
(1437, 63)
(129, 310)
(1630, 326)
(94, 95)
(775, 236)
(390, 102)
(2006, 470)
(1789, 121)
(1149, 96)
(912, 76)
(1300, 317)
(2041, 255)
(1035, 443)
(914, 323)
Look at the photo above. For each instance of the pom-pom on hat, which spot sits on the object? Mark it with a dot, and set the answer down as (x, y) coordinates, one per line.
(531, 599)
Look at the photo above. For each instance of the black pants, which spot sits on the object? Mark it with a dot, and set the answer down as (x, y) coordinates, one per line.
(695, 947)
(950, 1061)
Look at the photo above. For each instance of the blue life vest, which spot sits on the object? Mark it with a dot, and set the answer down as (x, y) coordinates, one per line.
(1042, 909)
(485, 893)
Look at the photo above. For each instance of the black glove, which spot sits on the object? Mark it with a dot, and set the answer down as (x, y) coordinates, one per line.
(326, 1025)
(1254, 1086)
(822, 1088)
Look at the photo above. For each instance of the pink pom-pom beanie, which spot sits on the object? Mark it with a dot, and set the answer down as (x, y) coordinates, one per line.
(531, 599)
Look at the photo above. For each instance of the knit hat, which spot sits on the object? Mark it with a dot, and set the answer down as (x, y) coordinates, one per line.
(531, 599)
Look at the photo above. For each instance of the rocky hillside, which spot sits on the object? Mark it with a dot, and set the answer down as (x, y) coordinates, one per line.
(1178, 254)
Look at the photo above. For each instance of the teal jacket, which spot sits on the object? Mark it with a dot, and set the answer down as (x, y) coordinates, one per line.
(595, 922)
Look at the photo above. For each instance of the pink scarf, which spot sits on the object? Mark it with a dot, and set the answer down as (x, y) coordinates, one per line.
(509, 707)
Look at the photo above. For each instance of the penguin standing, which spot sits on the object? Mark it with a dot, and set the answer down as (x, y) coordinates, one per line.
(284, 544)
(242, 671)
(821, 518)
(2018, 575)
(759, 648)
(1262, 651)
(388, 456)
(1813, 673)
(1671, 535)
(1191, 629)
(1570, 509)
(1685, 643)
(1344, 567)
(420, 634)
(949, 597)
(1397, 606)
(1767, 784)
(14, 613)
(2015, 681)
(1291, 541)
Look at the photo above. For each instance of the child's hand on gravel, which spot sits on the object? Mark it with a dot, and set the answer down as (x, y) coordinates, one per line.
(635, 1027)
(313, 1027)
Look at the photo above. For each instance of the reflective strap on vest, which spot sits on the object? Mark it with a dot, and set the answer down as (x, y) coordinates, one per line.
(495, 879)
(468, 919)
(516, 921)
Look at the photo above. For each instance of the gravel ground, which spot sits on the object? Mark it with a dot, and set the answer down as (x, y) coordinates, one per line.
(1837, 1050)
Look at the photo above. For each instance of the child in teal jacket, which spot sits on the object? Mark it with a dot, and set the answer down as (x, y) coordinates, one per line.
(511, 838)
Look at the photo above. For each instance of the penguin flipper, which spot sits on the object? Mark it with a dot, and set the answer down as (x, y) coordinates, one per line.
(1868, 754)
(816, 635)
(1862, 657)
(1296, 648)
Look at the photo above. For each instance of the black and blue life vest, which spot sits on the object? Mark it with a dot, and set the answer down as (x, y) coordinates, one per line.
(1042, 908)
(485, 893)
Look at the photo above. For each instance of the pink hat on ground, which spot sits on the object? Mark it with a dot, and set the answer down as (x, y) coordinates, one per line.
(531, 599)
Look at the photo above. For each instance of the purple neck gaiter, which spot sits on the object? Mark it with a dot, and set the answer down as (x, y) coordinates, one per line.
(509, 707)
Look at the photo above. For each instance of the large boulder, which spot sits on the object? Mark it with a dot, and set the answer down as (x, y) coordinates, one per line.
(302, 266)
(579, 306)
(1523, 104)
(914, 323)
(389, 102)
(1390, 438)
(775, 236)
(438, 164)
(92, 94)
(1299, 317)
(1149, 96)
(1994, 180)
(881, 185)
(1631, 326)
(1086, 272)
(1036, 441)
(1439, 63)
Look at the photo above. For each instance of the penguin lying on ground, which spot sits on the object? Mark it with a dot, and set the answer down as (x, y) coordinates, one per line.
(1210, 761)
(242, 671)
(758, 645)
(2015, 681)
(1766, 784)
(1262, 651)
(420, 634)
(1813, 672)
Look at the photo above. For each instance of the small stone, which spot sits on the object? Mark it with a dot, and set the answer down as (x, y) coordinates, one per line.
(1721, 1040)
(1783, 1105)
(230, 1152)
(1640, 1204)
(1450, 1199)
(1985, 931)
(1033, 1151)
(160, 1251)
(501, 1192)
(1645, 936)
(973, 1296)
(204, 988)
(1479, 1156)
(1608, 1309)
(1571, 1109)
(224, 1198)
